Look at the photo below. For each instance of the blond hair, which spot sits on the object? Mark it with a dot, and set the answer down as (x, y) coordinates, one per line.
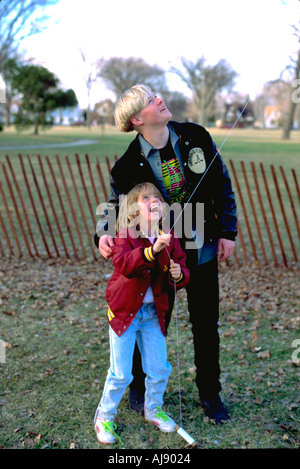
(129, 209)
(131, 103)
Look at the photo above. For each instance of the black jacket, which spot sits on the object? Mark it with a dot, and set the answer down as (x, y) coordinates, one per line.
(215, 189)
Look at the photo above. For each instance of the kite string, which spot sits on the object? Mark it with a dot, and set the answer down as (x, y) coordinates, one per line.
(177, 344)
(204, 174)
(178, 352)
(175, 293)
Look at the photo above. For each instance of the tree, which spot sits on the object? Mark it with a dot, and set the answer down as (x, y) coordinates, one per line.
(119, 74)
(9, 69)
(15, 24)
(17, 21)
(295, 69)
(177, 104)
(40, 94)
(90, 77)
(205, 82)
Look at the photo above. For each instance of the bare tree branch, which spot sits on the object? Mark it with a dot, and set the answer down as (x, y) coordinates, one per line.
(205, 81)
(15, 23)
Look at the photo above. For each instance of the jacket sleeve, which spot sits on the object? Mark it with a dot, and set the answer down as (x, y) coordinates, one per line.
(179, 257)
(224, 200)
(108, 214)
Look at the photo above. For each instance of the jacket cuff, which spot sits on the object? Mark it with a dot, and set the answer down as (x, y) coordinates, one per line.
(180, 278)
(149, 254)
(229, 235)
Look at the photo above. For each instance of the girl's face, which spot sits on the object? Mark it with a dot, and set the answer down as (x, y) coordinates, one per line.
(150, 208)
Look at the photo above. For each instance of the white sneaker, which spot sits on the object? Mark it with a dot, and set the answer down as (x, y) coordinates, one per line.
(105, 430)
(160, 419)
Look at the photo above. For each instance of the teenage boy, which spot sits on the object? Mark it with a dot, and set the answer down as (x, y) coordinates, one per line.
(175, 156)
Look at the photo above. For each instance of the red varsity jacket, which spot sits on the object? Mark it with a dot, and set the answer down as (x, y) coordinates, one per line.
(136, 266)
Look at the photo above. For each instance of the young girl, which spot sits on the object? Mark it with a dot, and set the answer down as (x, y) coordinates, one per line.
(148, 263)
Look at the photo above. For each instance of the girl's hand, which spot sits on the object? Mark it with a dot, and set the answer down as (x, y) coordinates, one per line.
(175, 270)
(162, 241)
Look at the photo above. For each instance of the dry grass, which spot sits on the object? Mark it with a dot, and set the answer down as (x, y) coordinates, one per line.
(53, 321)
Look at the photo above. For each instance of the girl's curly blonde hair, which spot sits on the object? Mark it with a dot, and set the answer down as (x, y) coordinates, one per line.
(129, 209)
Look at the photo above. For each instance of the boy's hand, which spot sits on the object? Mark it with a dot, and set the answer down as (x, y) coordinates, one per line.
(162, 241)
(175, 270)
(105, 243)
(225, 248)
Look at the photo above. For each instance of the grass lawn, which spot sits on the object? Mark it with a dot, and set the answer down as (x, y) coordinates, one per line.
(248, 144)
(105, 142)
(57, 354)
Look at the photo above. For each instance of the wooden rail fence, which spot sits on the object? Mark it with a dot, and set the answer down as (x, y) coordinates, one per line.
(48, 208)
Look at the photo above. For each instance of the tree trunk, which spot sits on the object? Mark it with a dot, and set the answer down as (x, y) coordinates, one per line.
(291, 114)
(36, 128)
(288, 124)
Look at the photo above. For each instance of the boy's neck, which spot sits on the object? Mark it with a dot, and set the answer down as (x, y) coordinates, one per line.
(156, 137)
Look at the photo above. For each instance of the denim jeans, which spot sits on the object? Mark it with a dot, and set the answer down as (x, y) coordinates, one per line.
(144, 329)
(203, 305)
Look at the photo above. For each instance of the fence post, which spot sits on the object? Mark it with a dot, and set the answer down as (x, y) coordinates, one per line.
(10, 220)
(92, 180)
(52, 206)
(296, 184)
(263, 212)
(62, 206)
(283, 212)
(244, 209)
(70, 204)
(273, 214)
(80, 207)
(291, 200)
(16, 209)
(102, 181)
(6, 234)
(254, 212)
(43, 206)
(23, 205)
(85, 189)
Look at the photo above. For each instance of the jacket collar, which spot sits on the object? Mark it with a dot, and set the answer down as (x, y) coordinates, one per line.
(147, 148)
(132, 232)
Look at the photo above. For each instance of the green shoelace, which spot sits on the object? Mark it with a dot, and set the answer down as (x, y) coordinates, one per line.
(162, 415)
(110, 427)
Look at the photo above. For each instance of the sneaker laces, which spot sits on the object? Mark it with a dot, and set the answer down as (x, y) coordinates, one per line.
(110, 428)
(162, 415)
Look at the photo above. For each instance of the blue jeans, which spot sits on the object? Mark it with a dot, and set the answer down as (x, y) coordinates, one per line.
(144, 329)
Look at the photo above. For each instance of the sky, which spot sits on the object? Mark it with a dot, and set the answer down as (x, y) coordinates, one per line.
(254, 36)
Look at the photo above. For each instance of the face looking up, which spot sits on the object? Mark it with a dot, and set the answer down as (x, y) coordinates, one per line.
(155, 113)
(150, 209)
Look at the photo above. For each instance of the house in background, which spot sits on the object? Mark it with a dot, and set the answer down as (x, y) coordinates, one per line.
(235, 110)
(103, 113)
(67, 116)
(272, 117)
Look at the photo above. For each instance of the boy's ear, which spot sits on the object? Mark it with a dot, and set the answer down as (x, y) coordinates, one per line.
(136, 120)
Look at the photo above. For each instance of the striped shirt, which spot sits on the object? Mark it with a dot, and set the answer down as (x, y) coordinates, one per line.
(173, 176)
